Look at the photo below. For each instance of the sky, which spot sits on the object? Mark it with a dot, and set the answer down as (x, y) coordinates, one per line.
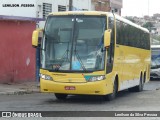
(140, 7)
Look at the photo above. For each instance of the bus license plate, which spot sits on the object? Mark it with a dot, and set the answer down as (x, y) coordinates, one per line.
(70, 88)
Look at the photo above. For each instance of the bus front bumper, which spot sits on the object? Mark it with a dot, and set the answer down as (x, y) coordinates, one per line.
(89, 88)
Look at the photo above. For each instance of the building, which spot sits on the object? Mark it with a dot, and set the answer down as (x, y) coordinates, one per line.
(17, 57)
(18, 19)
(107, 5)
(156, 16)
(40, 8)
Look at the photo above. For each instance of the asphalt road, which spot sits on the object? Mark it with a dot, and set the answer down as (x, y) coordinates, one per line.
(149, 99)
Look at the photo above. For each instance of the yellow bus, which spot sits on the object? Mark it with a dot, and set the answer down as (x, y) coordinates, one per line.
(92, 53)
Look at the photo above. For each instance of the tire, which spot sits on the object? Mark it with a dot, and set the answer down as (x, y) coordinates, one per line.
(138, 88)
(113, 95)
(61, 96)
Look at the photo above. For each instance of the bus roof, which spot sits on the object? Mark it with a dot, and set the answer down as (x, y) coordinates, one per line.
(131, 23)
(100, 13)
(79, 13)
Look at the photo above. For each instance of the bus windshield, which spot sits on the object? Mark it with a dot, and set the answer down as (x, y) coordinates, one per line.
(74, 43)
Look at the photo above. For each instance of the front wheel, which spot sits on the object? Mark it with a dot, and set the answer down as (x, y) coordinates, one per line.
(60, 96)
(113, 94)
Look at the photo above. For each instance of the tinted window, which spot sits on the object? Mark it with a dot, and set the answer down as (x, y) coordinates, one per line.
(131, 36)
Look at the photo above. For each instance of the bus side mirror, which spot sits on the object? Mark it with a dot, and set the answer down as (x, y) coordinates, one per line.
(36, 37)
(107, 38)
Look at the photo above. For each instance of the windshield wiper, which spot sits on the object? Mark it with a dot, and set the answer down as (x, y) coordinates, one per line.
(63, 60)
(76, 33)
(79, 59)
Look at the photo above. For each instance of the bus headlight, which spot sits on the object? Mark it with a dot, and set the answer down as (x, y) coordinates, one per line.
(95, 78)
(46, 77)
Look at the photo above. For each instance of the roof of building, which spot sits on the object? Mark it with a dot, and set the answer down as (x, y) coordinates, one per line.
(5, 17)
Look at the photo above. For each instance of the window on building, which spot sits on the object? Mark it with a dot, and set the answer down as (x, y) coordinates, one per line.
(61, 8)
(47, 8)
(39, 8)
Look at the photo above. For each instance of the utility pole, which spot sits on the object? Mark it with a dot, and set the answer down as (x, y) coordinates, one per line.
(70, 5)
(148, 7)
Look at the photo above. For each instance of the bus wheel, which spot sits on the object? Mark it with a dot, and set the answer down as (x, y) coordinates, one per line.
(138, 88)
(60, 96)
(112, 95)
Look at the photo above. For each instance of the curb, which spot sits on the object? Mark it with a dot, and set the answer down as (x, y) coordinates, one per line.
(19, 92)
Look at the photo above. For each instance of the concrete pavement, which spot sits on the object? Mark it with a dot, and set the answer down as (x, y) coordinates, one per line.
(19, 88)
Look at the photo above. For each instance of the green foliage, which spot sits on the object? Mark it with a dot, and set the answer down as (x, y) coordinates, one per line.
(156, 37)
(131, 19)
(148, 25)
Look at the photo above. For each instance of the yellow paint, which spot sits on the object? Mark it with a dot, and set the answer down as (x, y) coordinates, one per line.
(79, 13)
(129, 62)
(35, 36)
(107, 38)
(60, 80)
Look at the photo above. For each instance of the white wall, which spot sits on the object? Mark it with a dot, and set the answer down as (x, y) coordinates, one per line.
(54, 3)
(37, 10)
(18, 11)
(32, 11)
(82, 4)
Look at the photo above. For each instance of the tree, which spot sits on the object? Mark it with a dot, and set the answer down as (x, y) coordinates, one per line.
(148, 25)
(131, 19)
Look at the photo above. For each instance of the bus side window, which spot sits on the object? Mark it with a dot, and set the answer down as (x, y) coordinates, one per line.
(118, 32)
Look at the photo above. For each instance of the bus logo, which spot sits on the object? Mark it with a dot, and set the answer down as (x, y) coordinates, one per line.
(6, 114)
